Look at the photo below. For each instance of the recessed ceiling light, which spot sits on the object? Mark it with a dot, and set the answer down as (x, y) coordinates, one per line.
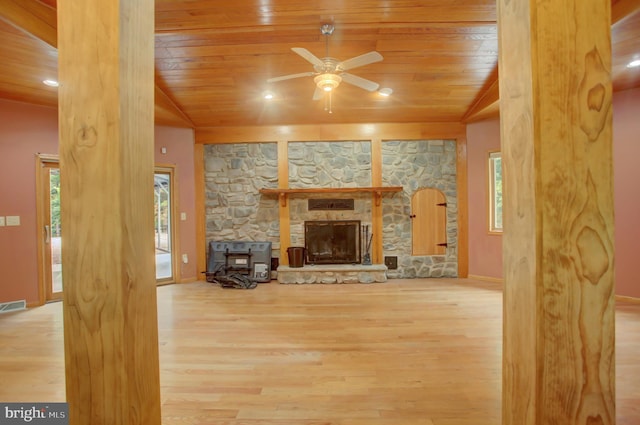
(634, 63)
(51, 83)
(385, 91)
(268, 95)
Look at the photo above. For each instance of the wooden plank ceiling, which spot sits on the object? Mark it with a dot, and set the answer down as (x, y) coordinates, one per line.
(213, 59)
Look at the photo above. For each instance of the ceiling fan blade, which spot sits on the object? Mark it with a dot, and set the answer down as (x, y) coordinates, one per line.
(318, 94)
(307, 55)
(290, 76)
(361, 60)
(363, 83)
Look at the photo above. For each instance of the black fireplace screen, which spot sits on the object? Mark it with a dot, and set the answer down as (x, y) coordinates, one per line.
(332, 241)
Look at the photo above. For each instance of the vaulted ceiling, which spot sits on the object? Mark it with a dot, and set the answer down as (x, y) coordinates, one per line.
(213, 59)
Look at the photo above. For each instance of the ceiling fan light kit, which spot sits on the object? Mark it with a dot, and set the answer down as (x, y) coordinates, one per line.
(328, 82)
(329, 72)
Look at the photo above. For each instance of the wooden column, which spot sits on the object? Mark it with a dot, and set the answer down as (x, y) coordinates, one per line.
(376, 207)
(283, 208)
(555, 103)
(201, 211)
(463, 206)
(106, 161)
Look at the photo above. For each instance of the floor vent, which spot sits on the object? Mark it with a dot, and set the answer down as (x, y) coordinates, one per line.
(13, 306)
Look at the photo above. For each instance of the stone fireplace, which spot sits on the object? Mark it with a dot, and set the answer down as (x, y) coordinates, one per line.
(332, 238)
(235, 173)
(332, 241)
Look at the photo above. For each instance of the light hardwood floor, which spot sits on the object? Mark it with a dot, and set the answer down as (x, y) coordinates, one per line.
(415, 352)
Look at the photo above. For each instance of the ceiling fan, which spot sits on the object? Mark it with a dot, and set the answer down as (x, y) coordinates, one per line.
(330, 72)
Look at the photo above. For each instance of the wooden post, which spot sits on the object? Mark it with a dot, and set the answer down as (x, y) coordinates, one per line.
(463, 206)
(555, 104)
(201, 211)
(283, 208)
(106, 160)
(376, 207)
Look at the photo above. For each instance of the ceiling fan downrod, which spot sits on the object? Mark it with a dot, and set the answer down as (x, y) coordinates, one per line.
(327, 30)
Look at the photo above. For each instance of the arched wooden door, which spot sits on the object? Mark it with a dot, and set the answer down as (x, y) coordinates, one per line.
(428, 222)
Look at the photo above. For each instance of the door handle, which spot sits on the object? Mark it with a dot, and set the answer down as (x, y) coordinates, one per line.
(47, 234)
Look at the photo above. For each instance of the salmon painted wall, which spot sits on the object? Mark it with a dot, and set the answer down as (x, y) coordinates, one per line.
(178, 143)
(26, 130)
(485, 251)
(626, 179)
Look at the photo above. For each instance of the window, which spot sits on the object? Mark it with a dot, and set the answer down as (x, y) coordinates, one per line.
(495, 192)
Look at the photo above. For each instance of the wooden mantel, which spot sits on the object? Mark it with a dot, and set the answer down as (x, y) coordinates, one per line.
(283, 194)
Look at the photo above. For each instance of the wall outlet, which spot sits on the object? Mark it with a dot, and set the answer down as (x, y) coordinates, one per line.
(13, 220)
(1, 221)
(183, 216)
(185, 258)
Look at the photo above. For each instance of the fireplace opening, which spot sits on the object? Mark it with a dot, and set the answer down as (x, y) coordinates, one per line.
(332, 241)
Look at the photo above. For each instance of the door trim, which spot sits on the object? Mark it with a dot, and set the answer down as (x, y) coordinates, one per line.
(170, 169)
(41, 161)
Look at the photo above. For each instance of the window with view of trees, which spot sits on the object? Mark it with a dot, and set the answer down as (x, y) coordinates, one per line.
(495, 192)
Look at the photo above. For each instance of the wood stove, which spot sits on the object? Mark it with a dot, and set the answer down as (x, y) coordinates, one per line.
(332, 241)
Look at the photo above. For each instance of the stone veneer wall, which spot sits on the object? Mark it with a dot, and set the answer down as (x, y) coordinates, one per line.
(416, 165)
(235, 210)
(328, 164)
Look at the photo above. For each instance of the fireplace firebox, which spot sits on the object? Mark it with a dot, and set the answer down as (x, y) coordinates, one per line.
(332, 241)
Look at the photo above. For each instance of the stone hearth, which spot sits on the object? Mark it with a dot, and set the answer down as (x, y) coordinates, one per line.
(333, 273)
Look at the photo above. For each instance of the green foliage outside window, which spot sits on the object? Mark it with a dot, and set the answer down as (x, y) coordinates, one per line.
(495, 192)
(54, 187)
